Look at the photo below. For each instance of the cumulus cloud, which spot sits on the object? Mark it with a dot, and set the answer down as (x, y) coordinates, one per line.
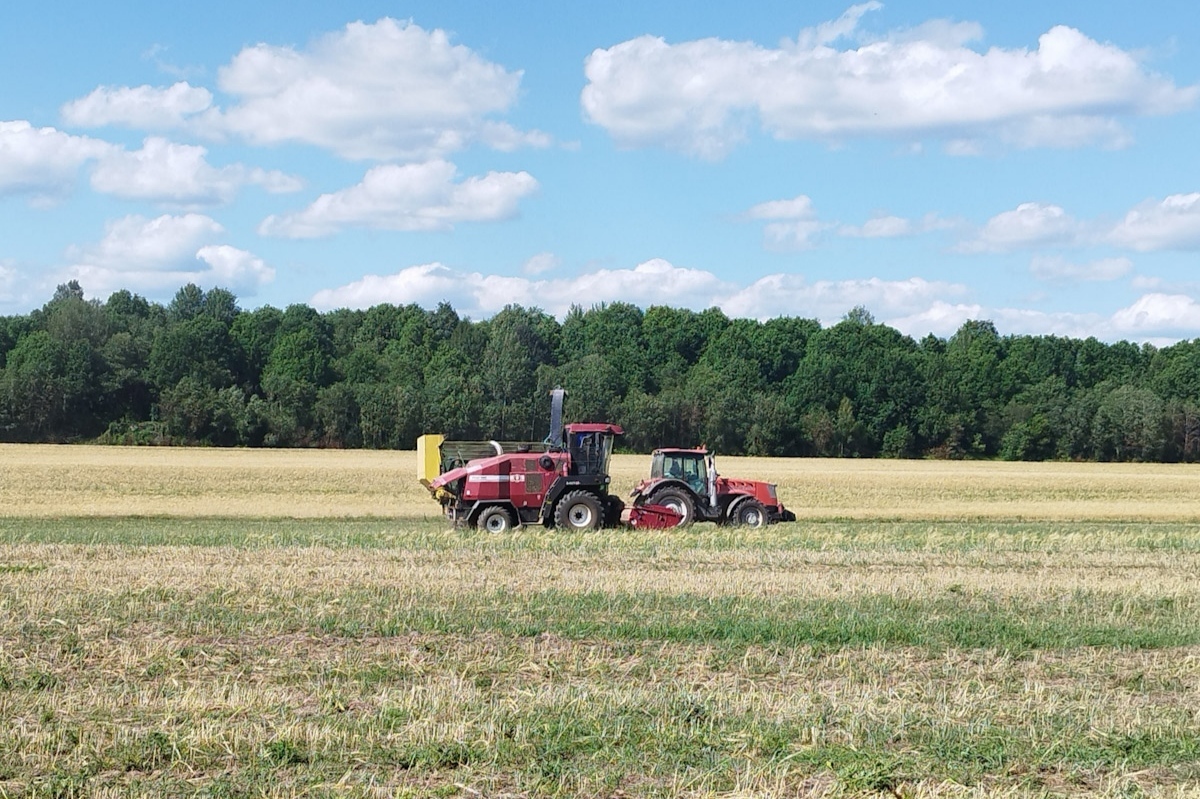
(388, 90)
(409, 197)
(152, 255)
(705, 96)
(886, 226)
(43, 162)
(1028, 225)
(1169, 224)
(179, 174)
(791, 224)
(654, 282)
(915, 306)
(1058, 269)
(541, 263)
(1172, 223)
(141, 107)
(1170, 314)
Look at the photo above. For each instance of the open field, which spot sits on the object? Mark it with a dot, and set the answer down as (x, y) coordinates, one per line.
(225, 623)
(49, 481)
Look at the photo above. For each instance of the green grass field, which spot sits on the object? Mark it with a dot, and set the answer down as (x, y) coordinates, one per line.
(1032, 632)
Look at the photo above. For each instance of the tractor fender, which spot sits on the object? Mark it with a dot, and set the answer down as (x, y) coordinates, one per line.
(644, 490)
(732, 507)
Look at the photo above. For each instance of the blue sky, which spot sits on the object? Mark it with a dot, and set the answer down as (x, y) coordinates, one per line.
(1030, 163)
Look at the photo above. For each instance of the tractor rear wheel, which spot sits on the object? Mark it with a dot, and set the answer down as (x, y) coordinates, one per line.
(750, 513)
(677, 500)
(495, 520)
(579, 510)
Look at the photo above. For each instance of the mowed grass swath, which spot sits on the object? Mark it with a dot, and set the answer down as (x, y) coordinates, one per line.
(232, 623)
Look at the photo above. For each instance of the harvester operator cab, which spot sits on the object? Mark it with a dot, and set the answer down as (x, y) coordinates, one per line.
(590, 447)
(690, 466)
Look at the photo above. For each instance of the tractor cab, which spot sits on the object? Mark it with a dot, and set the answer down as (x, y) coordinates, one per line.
(692, 466)
(590, 447)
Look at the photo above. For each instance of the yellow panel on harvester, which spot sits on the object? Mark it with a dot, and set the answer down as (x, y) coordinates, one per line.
(429, 457)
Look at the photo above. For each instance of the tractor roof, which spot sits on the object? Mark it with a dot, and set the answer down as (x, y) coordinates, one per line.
(680, 451)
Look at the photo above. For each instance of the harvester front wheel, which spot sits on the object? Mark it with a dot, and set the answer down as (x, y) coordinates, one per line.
(495, 520)
(579, 510)
(677, 500)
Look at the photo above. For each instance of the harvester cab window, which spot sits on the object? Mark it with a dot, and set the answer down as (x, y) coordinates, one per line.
(590, 453)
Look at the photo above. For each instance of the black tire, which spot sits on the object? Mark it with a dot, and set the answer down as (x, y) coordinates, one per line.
(495, 520)
(677, 500)
(579, 511)
(613, 507)
(750, 513)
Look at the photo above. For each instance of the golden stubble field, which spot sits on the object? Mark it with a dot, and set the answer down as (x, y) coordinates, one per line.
(303, 623)
(49, 481)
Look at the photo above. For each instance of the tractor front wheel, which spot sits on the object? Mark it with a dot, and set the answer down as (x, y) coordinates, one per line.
(750, 513)
(580, 511)
(495, 520)
(677, 500)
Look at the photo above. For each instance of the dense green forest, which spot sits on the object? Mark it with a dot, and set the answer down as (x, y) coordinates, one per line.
(200, 370)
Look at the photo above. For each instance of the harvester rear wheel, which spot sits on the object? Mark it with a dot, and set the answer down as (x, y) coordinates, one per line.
(579, 510)
(495, 520)
(677, 500)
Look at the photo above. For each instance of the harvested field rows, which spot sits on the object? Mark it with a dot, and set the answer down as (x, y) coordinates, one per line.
(998, 644)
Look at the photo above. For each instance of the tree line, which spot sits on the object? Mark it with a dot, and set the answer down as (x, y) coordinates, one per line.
(201, 370)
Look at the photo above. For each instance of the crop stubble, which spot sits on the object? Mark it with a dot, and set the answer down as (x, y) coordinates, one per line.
(926, 629)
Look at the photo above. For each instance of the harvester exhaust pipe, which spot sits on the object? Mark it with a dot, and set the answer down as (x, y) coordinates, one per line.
(556, 411)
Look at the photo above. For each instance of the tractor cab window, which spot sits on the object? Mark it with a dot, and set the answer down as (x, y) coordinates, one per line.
(686, 466)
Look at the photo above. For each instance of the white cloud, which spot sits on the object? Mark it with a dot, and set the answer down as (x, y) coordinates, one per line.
(1156, 318)
(235, 268)
(1169, 224)
(704, 96)
(1171, 314)
(799, 207)
(829, 300)
(43, 162)
(541, 263)
(161, 254)
(8, 281)
(386, 90)
(476, 294)
(410, 197)
(880, 227)
(654, 282)
(1058, 269)
(179, 174)
(1029, 225)
(141, 107)
(915, 306)
(792, 224)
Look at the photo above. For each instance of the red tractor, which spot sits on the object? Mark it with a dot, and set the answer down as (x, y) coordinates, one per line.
(686, 481)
